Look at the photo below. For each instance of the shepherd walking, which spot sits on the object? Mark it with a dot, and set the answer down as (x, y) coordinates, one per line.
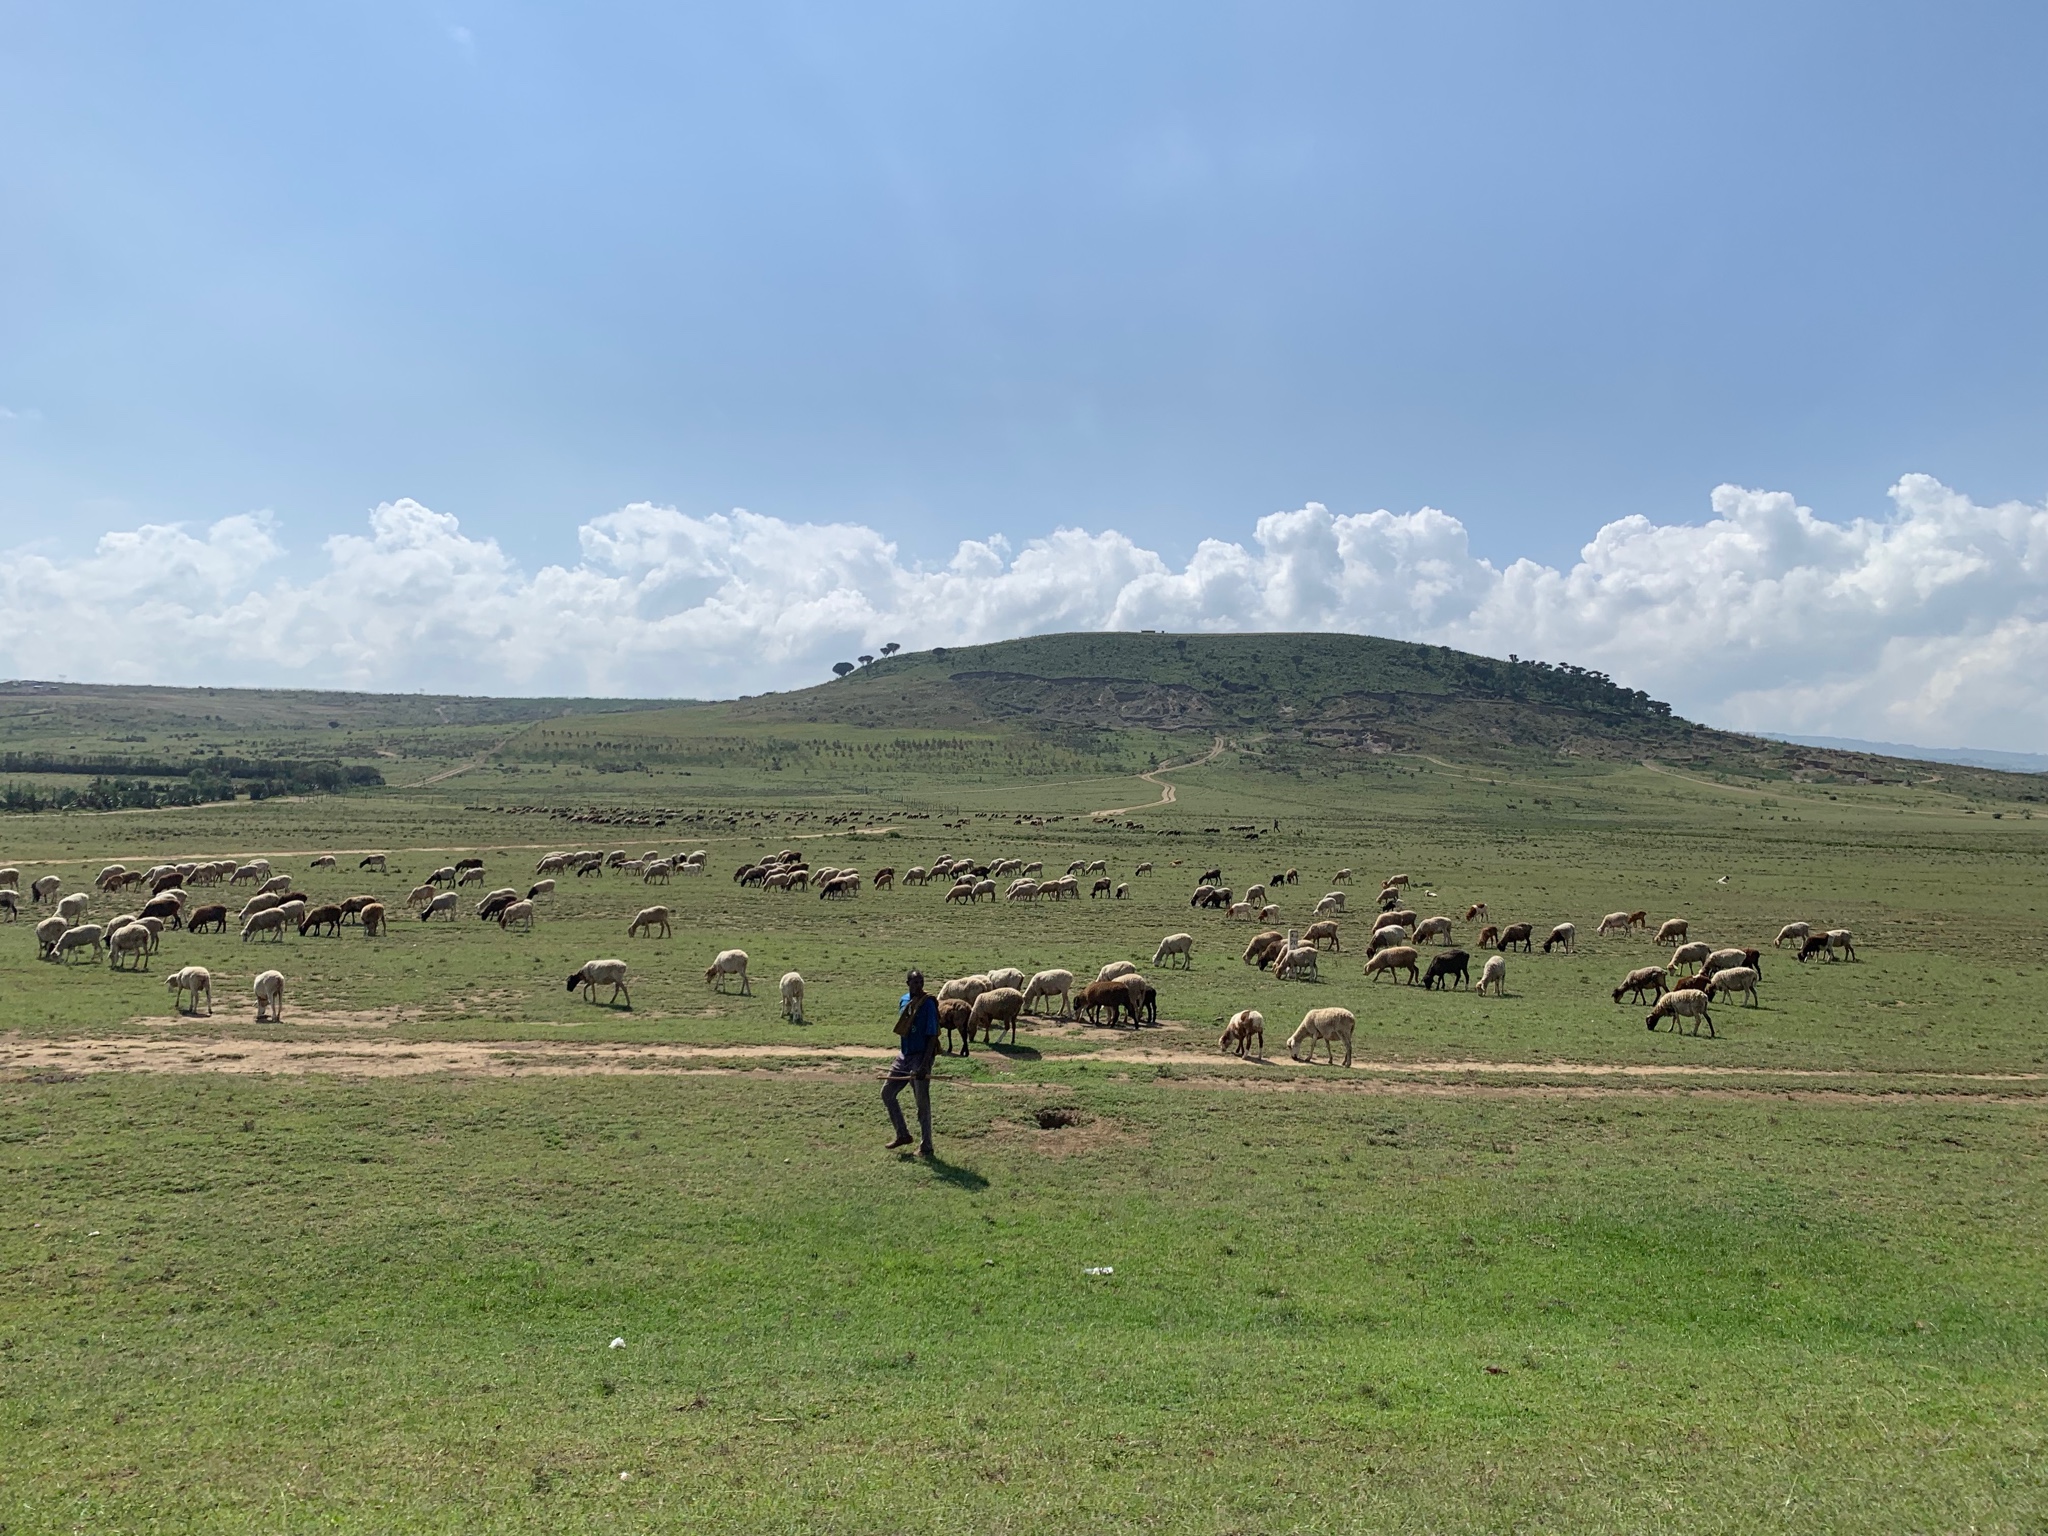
(917, 1025)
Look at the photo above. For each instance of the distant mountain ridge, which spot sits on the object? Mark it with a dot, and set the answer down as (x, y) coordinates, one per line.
(1971, 757)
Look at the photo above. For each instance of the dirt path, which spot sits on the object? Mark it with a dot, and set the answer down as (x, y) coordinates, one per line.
(475, 762)
(356, 1056)
(1167, 793)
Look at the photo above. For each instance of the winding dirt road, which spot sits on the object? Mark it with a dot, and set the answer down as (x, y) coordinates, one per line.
(1167, 793)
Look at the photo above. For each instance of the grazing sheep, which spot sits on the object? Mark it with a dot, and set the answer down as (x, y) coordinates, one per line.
(1022, 890)
(965, 988)
(214, 917)
(1059, 984)
(101, 881)
(793, 996)
(270, 920)
(1298, 964)
(1336, 896)
(10, 878)
(1646, 978)
(997, 1007)
(443, 903)
(540, 888)
(169, 908)
(1327, 906)
(1385, 938)
(328, 917)
(1739, 979)
(129, 939)
(1142, 869)
(1328, 1025)
(1494, 974)
(984, 888)
(1674, 930)
(1613, 922)
(1123, 890)
(645, 921)
(1340, 877)
(1402, 957)
(1098, 995)
(274, 883)
(1316, 933)
(374, 861)
(1839, 939)
(1007, 976)
(373, 919)
(1638, 919)
(192, 979)
(1518, 933)
(917, 874)
(1213, 876)
(1245, 1026)
(1269, 914)
(962, 891)
(1476, 913)
(953, 1017)
(1686, 956)
(1101, 887)
(1182, 944)
(50, 929)
(730, 962)
(474, 875)
(79, 938)
(10, 903)
(325, 861)
(1489, 937)
(1724, 959)
(1441, 969)
(269, 990)
(1800, 931)
(593, 974)
(1265, 948)
(520, 912)
(420, 895)
(1438, 928)
(1242, 909)
(249, 872)
(1255, 894)
(885, 879)
(1564, 935)
(495, 903)
(1682, 1003)
(445, 875)
(74, 906)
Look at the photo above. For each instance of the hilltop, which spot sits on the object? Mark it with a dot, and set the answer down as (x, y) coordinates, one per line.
(1326, 693)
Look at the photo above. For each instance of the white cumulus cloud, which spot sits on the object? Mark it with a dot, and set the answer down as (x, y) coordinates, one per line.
(1928, 625)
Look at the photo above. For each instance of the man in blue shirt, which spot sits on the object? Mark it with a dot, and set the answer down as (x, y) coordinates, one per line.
(917, 1025)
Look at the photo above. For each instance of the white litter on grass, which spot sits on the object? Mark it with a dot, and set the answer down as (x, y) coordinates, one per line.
(618, 1343)
(1100, 1269)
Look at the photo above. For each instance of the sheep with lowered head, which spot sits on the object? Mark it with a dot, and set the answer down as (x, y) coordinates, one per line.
(730, 962)
(1328, 1025)
(593, 974)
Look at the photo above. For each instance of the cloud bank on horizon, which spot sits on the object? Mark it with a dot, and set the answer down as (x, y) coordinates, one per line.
(1928, 626)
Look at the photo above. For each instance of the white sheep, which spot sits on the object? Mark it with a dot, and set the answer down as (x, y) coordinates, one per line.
(48, 932)
(11, 878)
(1740, 979)
(1564, 935)
(46, 889)
(325, 861)
(1495, 974)
(1143, 869)
(1438, 928)
(520, 912)
(1299, 964)
(1269, 914)
(194, 979)
(1182, 944)
(443, 903)
(597, 973)
(1114, 969)
(420, 895)
(1006, 976)
(996, 1007)
(1723, 959)
(1686, 1003)
(1059, 984)
(269, 990)
(78, 938)
(474, 875)
(730, 962)
(1686, 956)
(257, 904)
(963, 989)
(1328, 907)
(1256, 894)
(270, 920)
(1022, 890)
(649, 919)
(793, 996)
(540, 888)
(1333, 896)
(1841, 939)
(1673, 930)
(128, 939)
(274, 883)
(1242, 910)
(1799, 932)
(1328, 1025)
(74, 906)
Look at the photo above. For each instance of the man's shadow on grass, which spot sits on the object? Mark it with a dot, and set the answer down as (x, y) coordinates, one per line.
(952, 1173)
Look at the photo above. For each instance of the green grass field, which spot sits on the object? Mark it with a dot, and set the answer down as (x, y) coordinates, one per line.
(1524, 1266)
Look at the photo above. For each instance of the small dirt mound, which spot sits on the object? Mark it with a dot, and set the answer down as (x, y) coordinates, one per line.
(1058, 1119)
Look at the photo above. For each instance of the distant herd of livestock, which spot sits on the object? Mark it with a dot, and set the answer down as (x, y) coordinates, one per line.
(983, 1004)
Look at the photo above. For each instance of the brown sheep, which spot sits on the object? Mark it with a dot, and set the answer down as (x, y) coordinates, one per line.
(1489, 936)
(1641, 980)
(328, 917)
(953, 1021)
(1518, 933)
(214, 917)
(1098, 995)
(1315, 933)
(373, 919)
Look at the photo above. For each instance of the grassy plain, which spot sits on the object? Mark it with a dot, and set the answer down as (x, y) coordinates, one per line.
(1527, 1266)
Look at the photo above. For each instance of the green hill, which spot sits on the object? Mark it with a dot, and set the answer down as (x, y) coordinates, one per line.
(1324, 693)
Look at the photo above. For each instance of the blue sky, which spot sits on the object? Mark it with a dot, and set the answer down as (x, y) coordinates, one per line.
(952, 271)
